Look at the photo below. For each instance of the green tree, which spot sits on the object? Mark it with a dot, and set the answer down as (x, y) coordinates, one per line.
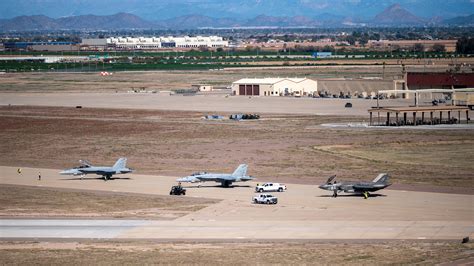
(465, 45)
(418, 47)
(438, 48)
(351, 39)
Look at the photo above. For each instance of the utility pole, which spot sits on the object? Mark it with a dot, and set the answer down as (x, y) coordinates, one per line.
(383, 71)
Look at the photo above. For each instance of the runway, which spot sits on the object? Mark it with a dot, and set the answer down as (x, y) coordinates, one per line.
(303, 212)
(51, 228)
(211, 229)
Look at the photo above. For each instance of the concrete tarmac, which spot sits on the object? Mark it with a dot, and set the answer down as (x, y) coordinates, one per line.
(201, 103)
(303, 212)
(51, 228)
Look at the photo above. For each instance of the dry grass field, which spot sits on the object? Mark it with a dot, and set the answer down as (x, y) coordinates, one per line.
(285, 148)
(166, 80)
(24, 201)
(234, 253)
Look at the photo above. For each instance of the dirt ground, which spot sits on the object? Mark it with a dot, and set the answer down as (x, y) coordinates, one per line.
(25, 201)
(285, 148)
(235, 253)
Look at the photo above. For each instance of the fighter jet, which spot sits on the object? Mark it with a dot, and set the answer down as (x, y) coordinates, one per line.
(225, 179)
(363, 188)
(105, 171)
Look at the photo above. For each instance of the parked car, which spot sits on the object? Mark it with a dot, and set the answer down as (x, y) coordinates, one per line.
(177, 190)
(265, 199)
(267, 187)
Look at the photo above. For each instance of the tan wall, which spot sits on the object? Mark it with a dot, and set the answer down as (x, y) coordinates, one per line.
(205, 88)
(235, 89)
(463, 98)
(54, 48)
(450, 45)
(352, 86)
(266, 88)
(304, 87)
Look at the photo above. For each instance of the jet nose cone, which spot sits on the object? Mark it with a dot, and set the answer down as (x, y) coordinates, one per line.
(191, 179)
(70, 172)
(183, 179)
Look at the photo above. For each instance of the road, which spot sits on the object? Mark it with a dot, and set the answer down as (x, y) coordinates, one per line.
(303, 212)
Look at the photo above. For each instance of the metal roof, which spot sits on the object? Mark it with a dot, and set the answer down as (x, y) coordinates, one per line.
(440, 79)
(428, 91)
(398, 109)
(267, 80)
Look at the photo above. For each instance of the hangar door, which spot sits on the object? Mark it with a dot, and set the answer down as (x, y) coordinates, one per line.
(241, 89)
(256, 90)
(249, 90)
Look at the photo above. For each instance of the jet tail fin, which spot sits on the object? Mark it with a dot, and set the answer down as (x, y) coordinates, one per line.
(85, 163)
(240, 171)
(382, 178)
(121, 163)
(330, 179)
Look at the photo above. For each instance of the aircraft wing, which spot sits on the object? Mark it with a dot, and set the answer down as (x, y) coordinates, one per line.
(105, 172)
(72, 171)
(215, 178)
(190, 179)
(368, 187)
(362, 186)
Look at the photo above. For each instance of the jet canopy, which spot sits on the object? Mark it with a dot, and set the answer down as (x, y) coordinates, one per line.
(199, 173)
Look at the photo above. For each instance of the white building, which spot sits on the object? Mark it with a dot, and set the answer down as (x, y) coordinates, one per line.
(201, 87)
(151, 43)
(275, 87)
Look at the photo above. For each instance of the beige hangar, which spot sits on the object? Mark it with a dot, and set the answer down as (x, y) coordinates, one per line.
(274, 87)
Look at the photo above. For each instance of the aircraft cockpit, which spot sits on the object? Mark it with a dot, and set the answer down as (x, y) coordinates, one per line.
(198, 173)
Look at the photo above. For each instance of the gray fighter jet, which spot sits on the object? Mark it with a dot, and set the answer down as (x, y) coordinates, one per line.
(105, 171)
(363, 188)
(225, 179)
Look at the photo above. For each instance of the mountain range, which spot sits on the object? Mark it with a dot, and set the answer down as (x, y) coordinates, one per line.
(154, 10)
(394, 15)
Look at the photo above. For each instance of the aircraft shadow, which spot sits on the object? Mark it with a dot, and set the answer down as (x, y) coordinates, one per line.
(215, 186)
(353, 195)
(97, 178)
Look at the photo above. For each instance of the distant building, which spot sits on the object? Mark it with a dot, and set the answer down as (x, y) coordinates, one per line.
(275, 87)
(433, 80)
(201, 87)
(322, 54)
(94, 44)
(54, 47)
(153, 43)
(386, 45)
(40, 59)
(41, 46)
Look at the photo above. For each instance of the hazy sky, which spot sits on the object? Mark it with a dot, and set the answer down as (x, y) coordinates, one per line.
(156, 9)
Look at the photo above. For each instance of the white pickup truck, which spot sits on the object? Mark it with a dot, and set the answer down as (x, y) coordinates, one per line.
(267, 187)
(265, 199)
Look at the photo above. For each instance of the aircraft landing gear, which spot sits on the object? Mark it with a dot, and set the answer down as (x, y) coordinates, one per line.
(334, 193)
(106, 177)
(366, 195)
